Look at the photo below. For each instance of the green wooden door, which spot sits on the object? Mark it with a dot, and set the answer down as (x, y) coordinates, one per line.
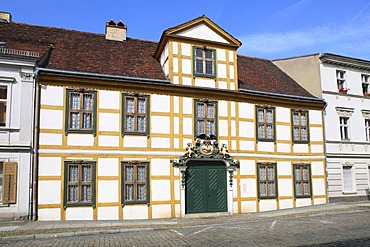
(206, 188)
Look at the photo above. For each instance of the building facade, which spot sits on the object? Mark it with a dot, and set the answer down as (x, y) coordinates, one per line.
(133, 129)
(344, 84)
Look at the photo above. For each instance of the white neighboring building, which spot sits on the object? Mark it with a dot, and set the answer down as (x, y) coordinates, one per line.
(16, 130)
(344, 84)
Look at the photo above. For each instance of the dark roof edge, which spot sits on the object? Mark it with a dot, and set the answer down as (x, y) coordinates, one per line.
(96, 75)
(345, 61)
(283, 95)
(288, 58)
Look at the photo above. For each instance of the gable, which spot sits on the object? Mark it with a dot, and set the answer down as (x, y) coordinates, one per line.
(203, 32)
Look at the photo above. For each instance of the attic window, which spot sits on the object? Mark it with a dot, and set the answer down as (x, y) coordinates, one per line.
(204, 62)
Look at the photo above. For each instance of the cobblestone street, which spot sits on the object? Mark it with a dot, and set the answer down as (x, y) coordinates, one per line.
(326, 229)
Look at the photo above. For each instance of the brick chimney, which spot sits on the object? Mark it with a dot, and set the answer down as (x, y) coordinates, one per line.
(115, 31)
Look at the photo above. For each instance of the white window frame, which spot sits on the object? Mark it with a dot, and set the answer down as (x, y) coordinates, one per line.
(344, 112)
(341, 78)
(344, 128)
(7, 82)
(367, 129)
(353, 179)
(365, 79)
(1, 181)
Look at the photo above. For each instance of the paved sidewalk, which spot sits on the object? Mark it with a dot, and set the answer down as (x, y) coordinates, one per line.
(55, 229)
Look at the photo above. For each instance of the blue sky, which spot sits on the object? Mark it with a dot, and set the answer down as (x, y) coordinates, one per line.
(267, 28)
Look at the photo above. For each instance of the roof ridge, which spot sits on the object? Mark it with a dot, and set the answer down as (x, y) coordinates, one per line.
(259, 58)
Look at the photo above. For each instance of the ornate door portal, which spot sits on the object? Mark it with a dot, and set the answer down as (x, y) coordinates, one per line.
(205, 185)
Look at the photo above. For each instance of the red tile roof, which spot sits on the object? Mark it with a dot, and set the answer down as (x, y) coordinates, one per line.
(85, 52)
(92, 53)
(263, 75)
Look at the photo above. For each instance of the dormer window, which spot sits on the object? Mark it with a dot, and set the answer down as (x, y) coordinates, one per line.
(365, 84)
(204, 62)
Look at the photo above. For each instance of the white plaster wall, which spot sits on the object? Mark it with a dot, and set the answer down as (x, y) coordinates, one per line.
(315, 117)
(160, 125)
(222, 84)
(317, 148)
(177, 210)
(222, 108)
(282, 114)
(221, 54)
(221, 71)
(246, 129)
(267, 205)
(80, 140)
(231, 56)
(108, 213)
(284, 168)
(109, 99)
(176, 125)
(51, 95)
(284, 148)
(160, 167)
(223, 128)
(248, 207)
(246, 110)
(265, 146)
(203, 82)
(49, 192)
(135, 212)
(187, 105)
(108, 167)
(246, 145)
(161, 190)
(247, 167)
(300, 148)
(176, 143)
(135, 141)
(175, 65)
(107, 191)
(232, 109)
(202, 32)
(49, 214)
(108, 141)
(317, 168)
(161, 211)
(285, 187)
(186, 69)
(187, 126)
(283, 132)
(50, 139)
(185, 141)
(51, 119)
(186, 80)
(319, 201)
(175, 48)
(301, 202)
(176, 104)
(177, 189)
(160, 103)
(232, 75)
(316, 134)
(283, 204)
(109, 121)
(50, 166)
(79, 213)
(318, 187)
(185, 49)
(160, 142)
(248, 187)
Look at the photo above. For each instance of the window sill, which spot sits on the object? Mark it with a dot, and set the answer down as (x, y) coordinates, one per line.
(135, 203)
(205, 76)
(349, 192)
(79, 204)
(302, 197)
(7, 129)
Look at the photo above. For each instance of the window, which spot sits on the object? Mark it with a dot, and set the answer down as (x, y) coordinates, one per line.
(267, 185)
(206, 117)
(344, 128)
(300, 126)
(135, 114)
(3, 102)
(8, 182)
(302, 180)
(135, 182)
(367, 129)
(204, 62)
(365, 84)
(79, 185)
(341, 80)
(266, 123)
(347, 179)
(81, 111)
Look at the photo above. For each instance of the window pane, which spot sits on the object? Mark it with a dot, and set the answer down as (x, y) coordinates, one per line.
(270, 132)
(75, 120)
(199, 53)
(87, 121)
(75, 101)
(141, 106)
(88, 99)
(86, 173)
(130, 123)
(209, 67)
(86, 193)
(269, 118)
(210, 111)
(73, 173)
(298, 188)
(129, 192)
(304, 134)
(200, 112)
(208, 54)
(141, 124)
(3, 93)
(297, 173)
(306, 188)
(199, 66)
(129, 170)
(210, 128)
(130, 105)
(271, 173)
(73, 193)
(1, 181)
(271, 188)
(347, 178)
(296, 133)
(261, 131)
(303, 120)
(261, 116)
(263, 191)
(141, 173)
(295, 119)
(141, 195)
(200, 127)
(262, 173)
(2, 114)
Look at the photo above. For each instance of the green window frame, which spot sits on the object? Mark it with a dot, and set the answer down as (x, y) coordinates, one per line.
(302, 180)
(205, 117)
(79, 183)
(204, 62)
(80, 111)
(300, 126)
(265, 124)
(135, 182)
(135, 114)
(267, 180)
